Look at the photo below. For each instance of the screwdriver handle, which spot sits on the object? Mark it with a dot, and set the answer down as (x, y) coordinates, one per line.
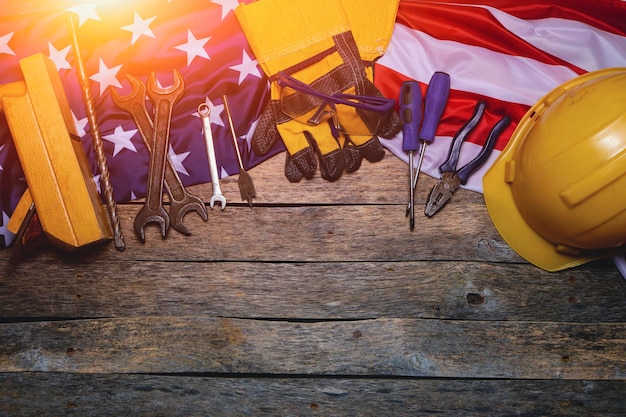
(435, 102)
(410, 103)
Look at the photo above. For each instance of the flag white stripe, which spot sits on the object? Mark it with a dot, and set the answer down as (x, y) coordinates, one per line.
(576, 42)
(471, 68)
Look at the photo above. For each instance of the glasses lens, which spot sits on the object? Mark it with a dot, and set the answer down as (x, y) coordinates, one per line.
(347, 117)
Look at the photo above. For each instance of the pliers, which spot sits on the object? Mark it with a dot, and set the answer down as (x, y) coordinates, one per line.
(452, 178)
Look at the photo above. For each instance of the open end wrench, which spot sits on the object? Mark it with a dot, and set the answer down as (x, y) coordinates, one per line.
(163, 100)
(204, 110)
(181, 201)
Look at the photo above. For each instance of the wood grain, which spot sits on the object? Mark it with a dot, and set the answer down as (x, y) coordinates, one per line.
(163, 395)
(315, 290)
(366, 233)
(400, 347)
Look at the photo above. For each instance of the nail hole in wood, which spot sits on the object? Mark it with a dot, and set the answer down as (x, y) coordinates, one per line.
(474, 299)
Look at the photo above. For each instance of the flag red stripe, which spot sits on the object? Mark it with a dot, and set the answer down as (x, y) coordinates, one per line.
(607, 15)
(474, 26)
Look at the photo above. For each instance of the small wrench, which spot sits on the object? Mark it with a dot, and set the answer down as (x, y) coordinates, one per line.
(163, 100)
(181, 201)
(204, 110)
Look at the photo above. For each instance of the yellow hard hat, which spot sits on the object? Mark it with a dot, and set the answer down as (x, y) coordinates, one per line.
(557, 192)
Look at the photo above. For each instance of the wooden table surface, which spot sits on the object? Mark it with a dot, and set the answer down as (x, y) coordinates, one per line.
(319, 301)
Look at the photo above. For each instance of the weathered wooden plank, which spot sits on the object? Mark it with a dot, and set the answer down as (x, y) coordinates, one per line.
(399, 347)
(328, 290)
(315, 233)
(153, 395)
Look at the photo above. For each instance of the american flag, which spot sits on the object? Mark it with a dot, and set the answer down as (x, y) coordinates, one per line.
(507, 52)
(201, 39)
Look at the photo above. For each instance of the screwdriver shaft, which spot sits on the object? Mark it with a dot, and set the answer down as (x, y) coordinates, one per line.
(232, 131)
(410, 208)
(419, 164)
(411, 192)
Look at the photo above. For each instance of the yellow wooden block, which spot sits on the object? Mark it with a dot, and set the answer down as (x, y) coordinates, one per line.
(17, 88)
(19, 214)
(55, 165)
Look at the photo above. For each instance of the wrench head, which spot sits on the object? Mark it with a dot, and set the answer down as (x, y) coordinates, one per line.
(145, 217)
(218, 198)
(137, 94)
(174, 91)
(177, 214)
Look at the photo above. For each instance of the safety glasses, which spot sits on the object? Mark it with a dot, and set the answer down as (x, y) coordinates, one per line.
(346, 113)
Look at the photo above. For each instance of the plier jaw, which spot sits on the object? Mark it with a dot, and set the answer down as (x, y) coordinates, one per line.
(442, 192)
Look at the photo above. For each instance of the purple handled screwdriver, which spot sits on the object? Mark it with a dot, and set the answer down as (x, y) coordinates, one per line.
(410, 105)
(435, 102)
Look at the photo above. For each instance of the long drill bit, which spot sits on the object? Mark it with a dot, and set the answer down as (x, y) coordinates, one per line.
(105, 180)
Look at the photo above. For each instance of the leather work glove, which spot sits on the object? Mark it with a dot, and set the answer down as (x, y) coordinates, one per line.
(371, 23)
(311, 42)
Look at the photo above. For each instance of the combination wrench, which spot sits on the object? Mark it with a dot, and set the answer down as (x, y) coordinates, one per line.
(204, 111)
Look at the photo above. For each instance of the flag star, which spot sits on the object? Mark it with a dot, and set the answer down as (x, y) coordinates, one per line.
(178, 159)
(248, 136)
(215, 115)
(247, 67)
(96, 180)
(106, 76)
(80, 125)
(122, 139)
(4, 232)
(4, 44)
(1, 149)
(194, 47)
(59, 57)
(140, 27)
(85, 12)
(227, 6)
